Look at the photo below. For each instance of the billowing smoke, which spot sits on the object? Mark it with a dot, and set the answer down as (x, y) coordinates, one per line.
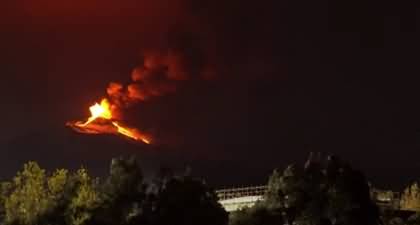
(158, 75)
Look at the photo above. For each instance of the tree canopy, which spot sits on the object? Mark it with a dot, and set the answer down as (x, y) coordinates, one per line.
(35, 197)
(323, 191)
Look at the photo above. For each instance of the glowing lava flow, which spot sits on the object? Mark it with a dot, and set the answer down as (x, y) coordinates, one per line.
(108, 125)
(131, 133)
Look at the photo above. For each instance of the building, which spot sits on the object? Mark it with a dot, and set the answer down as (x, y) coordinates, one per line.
(236, 198)
(233, 199)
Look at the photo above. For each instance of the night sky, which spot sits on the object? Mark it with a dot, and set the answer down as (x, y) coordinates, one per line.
(270, 82)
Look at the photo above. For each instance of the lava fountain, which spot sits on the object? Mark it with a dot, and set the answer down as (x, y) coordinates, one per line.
(102, 121)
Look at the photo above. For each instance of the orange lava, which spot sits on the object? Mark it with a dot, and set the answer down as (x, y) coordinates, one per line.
(102, 110)
(107, 125)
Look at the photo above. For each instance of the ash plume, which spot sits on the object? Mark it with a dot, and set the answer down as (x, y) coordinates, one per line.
(159, 74)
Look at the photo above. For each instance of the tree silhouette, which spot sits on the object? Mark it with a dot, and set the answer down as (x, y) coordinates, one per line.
(321, 192)
(28, 200)
(188, 201)
(410, 198)
(123, 194)
(85, 200)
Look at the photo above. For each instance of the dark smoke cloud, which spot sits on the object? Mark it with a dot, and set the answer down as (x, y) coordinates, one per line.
(159, 74)
(188, 42)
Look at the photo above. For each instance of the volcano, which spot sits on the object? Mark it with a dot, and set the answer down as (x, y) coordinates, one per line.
(102, 121)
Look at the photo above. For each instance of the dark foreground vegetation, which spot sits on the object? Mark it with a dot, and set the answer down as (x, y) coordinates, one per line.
(322, 192)
(35, 197)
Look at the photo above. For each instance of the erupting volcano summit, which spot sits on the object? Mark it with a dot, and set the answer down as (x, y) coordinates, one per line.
(102, 121)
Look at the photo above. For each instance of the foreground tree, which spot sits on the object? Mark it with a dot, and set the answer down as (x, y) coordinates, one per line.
(36, 197)
(85, 198)
(123, 194)
(257, 215)
(28, 200)
(187, 201)
(410, 198)
(322, 192)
